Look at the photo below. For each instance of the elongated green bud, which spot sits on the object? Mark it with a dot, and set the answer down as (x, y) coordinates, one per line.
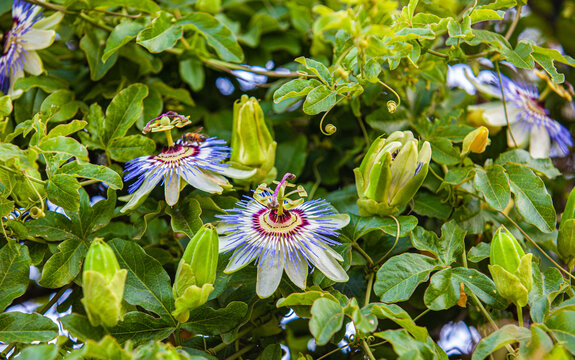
(566, 238)
(391, 173)
(510, 267)
(196, 272)
(476, 141)
(252, 143)
(103, 284)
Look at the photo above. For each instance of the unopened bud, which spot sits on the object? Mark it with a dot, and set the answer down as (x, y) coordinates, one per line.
(476, 141)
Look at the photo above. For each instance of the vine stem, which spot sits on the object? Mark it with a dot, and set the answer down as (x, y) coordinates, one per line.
(363, 253)
(367, 350)
(537, 245)
(333, 351)
(514, 23)
(42, 311)
(23, 173)
(226, 66)
(369, 287)
(504, 103)
(223, 345)
(519, 315)
(241, 352)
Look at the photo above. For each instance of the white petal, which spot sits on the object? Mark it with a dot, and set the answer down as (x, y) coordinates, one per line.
(494, 113)
(520, 133)
(144, 189)
(172, 189)
(50, 22)
(297, 271)
(240, 259)
(227, 243)
(326, 263)
(14, 94)
(269, 276)
(539, 143)
(200, 180)
(37, 39)
(223, 228)
(32, 63)
(236, 173)
(340, 220)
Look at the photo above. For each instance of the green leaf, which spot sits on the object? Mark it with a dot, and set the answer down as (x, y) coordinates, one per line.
(93, 45)
(494, 184)
(64, 265)
(509, 334)
(316, 68)
(208, 321)
(62, 190)
(301, 302)
(431, 205)
(291, 155)
(295, 88)
(26, 328)
(479, 252)
(147, 285)
(39, 352)
(48, 84)
(478, 15)
(522, 157)
(360, 226)
(186, 216)
(445, 288)
(192, 72)
(562, 326)
(67, 129)
(546, 287)
(545, 58)
(94, 172)
(443, 152)
(218, 35)
(398, 277)
(400, 317)
(130, 147)
(405, 346)
(107, 348)
(126, 107)
(532, 200)
(14, 272)
(52, 227)
(62, 103)
(447, 249)
(63, 145)
(327, 319)
(272, 352)
(5, 106)
(161, 34)
(407, 34)
(148, 6)
(320, 99)
(122, 34)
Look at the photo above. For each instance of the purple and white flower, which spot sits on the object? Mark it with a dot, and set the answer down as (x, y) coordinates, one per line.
(29, 32)
(528, 120)
(197, 162)
(281, 234)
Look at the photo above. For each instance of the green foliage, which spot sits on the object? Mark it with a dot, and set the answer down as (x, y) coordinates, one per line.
(317, 87)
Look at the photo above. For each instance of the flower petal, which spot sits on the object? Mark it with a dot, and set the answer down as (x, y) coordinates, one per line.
(494, 113)
(339, 220)
(270, 272)
(539, 142)
(14, 94)
(37, 39)
(50, 22)
(235, 173)
(326, 263)
(146, 187)
(240, 259)
(172, 188)
(520, 132)
(32, 63)
(296, 270)
(200, 180)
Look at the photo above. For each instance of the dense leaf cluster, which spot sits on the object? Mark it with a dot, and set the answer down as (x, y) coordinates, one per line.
(332, 77)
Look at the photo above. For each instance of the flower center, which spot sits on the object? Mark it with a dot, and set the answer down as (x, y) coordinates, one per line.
(268, 221)
(534, 105)
(177, 153)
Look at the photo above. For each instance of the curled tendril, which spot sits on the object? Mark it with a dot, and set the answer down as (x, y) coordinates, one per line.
(166, 122)
(391, 105)
(329, 129)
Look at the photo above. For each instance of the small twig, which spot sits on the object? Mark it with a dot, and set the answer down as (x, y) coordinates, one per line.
(333, 351)
(95, 23)
(396, 240)
(367, 350)
(241, 352)
(363, 253)
(514, 23)
(369, 288)
(224, 345)
(228, 67)
(504, 102)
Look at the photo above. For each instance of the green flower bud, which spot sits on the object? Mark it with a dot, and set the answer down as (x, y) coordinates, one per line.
(391, 173)
(566, 238)
(196, 272)
(510, 267)
(252, 143)
(103, 285)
